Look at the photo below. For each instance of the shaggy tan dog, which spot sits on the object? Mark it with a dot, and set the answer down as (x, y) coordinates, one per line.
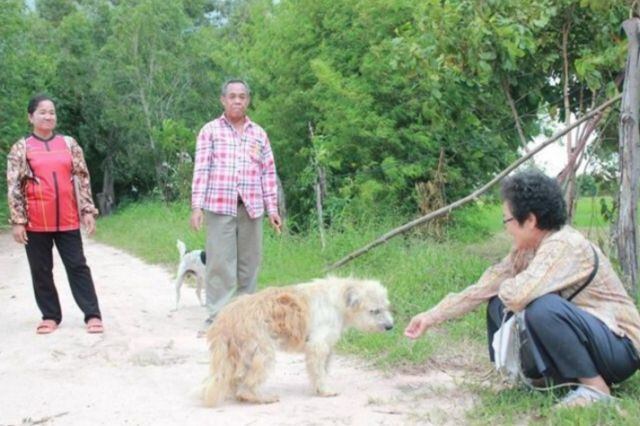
(307, 318)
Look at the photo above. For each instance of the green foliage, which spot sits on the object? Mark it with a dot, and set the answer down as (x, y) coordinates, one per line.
(54, 11)
(176, 142)
(385, 85)
(26, 68)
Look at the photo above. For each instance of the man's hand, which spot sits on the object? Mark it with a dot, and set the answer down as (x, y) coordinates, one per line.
(196, 219)
(276, 222)
(19, 233)
(89, 223)
(418, 325)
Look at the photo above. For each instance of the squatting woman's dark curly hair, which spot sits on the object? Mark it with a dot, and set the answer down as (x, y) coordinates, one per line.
(533, 192)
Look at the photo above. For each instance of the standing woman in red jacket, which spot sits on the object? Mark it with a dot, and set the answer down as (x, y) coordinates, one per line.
(49, 198)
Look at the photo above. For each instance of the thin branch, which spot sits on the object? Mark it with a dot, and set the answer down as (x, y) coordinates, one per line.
(444, 210)
(565, 88)
(569, 170)
(514, 111)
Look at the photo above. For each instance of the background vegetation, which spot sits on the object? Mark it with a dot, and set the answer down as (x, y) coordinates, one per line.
(390, 88)
(401, 105)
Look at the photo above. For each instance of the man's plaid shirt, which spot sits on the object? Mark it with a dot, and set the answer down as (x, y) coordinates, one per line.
(231, 167)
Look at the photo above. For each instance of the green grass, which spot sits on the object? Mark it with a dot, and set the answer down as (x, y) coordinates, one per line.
(418, 272)
(4, 213)
(516, 406)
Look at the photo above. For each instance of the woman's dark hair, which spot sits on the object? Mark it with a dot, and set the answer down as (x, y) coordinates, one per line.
(35, 101)
(533, 192)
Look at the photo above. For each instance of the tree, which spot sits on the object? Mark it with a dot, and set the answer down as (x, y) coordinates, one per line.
(147, 77)
(25, 69)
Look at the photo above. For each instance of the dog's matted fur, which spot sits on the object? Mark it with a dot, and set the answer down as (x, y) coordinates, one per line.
(307, 318)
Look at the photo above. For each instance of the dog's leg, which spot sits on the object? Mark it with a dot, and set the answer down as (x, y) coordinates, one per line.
(256, 373)
(317, 357)
(250, 395)
(179, 281)
(199, 285)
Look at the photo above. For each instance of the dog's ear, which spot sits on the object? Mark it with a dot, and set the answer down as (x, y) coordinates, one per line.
(352, 297)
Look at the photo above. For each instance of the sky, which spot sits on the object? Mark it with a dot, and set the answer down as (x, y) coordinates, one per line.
(552, 158)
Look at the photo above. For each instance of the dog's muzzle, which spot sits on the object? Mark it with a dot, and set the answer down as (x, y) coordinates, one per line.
(387, 323)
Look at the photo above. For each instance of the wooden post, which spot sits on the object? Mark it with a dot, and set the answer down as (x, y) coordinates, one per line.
(106, 198)
(625, 234)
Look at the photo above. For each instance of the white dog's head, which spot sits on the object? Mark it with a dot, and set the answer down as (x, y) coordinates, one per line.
(367, 306)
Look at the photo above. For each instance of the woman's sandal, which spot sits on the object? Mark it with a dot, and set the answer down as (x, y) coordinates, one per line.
(94, 326)
(46, 326)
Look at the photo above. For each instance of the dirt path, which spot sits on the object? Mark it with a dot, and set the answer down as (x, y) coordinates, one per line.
(143, 369)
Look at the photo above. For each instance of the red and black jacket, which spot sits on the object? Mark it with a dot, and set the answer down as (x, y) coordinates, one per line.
(50, 195)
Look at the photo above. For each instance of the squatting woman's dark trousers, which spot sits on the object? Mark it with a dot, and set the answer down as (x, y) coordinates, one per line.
(40, 255)
(571, 342)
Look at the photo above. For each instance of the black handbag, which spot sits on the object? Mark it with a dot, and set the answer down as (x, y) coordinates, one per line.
(531, 363)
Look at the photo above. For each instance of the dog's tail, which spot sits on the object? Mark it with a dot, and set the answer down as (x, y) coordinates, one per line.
(221, 371)
(181, 248)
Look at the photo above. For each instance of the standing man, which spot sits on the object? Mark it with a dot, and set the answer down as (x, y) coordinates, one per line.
(234, 182)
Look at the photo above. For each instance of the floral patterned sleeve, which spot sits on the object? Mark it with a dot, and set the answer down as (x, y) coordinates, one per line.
(81, 172)
(16, 173)
(454, 305)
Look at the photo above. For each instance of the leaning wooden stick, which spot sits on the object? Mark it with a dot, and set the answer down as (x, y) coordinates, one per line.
(444, 210)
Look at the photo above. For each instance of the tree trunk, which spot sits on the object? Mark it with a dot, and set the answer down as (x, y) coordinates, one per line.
(319, 188)
(625, 234)
(157, 162)
(570, 181)
(514, 111)
(569, 172)
(106, 199)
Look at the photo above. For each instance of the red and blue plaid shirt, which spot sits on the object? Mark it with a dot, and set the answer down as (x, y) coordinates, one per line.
(230, 166)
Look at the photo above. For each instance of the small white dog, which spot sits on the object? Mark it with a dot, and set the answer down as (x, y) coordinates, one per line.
(191, 264)
(307, 318)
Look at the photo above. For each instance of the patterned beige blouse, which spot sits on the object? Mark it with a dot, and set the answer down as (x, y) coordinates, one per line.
(561, 264)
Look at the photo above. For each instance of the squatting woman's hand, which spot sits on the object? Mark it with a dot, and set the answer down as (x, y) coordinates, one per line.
(418, 325)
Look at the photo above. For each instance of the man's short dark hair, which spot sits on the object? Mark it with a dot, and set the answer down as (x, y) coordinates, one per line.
(223, 89)
(532, 191)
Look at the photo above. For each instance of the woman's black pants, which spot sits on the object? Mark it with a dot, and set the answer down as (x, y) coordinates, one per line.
(40, 255)
(571, 343)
